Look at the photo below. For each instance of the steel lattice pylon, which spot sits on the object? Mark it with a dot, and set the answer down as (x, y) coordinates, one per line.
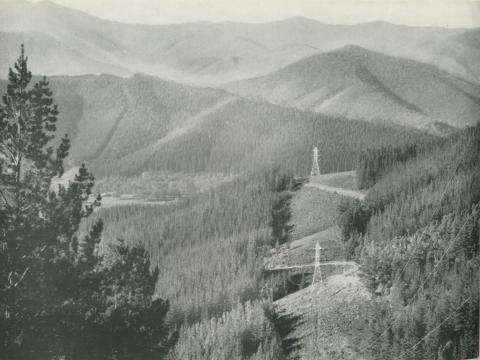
(315, 168)
(317, 274)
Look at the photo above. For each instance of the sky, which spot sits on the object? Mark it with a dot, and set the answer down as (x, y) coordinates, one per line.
(446, 13)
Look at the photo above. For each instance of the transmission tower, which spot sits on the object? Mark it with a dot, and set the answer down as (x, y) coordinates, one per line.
(317, 273)
(315, 168)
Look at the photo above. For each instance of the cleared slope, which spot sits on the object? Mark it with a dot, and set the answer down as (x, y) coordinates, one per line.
(323, 317)
(359, 83)
(329, 316)
(204, 53)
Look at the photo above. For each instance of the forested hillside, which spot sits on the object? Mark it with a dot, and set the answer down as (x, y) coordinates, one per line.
(244, 333)
(417, 238)
(245, 136)
(108, 117)
(129, 126)
(210, 248)
(209, 251)
(443, 180)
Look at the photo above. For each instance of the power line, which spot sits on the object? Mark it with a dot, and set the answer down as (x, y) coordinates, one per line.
(435, 269)
(317, 273)
(315, 168)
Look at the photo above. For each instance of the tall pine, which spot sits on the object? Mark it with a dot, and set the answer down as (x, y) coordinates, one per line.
(58, 295)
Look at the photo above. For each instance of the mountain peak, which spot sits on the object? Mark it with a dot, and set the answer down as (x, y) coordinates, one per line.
(301, 19)
(352, 49)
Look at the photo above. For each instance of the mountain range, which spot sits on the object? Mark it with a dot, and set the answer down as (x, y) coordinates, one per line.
(359, 83)
(224, 97)
(63, 41)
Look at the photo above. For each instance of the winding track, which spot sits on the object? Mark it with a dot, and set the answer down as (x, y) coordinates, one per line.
(350, 193)
(334, 263)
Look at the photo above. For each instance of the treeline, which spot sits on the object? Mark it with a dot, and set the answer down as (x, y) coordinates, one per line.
(417, 237)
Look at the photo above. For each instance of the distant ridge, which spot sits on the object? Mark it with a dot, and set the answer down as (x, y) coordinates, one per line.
(63, 41)
(360, 83)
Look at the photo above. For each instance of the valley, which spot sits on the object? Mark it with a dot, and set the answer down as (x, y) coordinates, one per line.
(159, 198)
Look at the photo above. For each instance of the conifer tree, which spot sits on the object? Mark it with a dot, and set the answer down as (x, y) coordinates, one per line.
(56, 289)
(281, 213)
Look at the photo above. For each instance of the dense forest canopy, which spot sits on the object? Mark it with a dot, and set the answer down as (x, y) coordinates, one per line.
(248, 136)
(417, 237)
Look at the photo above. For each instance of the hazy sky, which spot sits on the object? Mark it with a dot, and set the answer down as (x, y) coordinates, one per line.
(452, 13)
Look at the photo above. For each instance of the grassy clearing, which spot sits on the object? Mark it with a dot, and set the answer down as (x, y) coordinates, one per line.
(313, 211)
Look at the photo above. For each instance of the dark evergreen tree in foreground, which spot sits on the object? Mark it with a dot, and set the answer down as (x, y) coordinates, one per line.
(58, 295)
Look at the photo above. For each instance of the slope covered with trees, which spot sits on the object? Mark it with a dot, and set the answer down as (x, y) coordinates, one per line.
(208, 249)
(245, 136)
(243, 333)
(231, 223)
(432, 277)
(417, 238)
(129, 126)
(442, 181)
